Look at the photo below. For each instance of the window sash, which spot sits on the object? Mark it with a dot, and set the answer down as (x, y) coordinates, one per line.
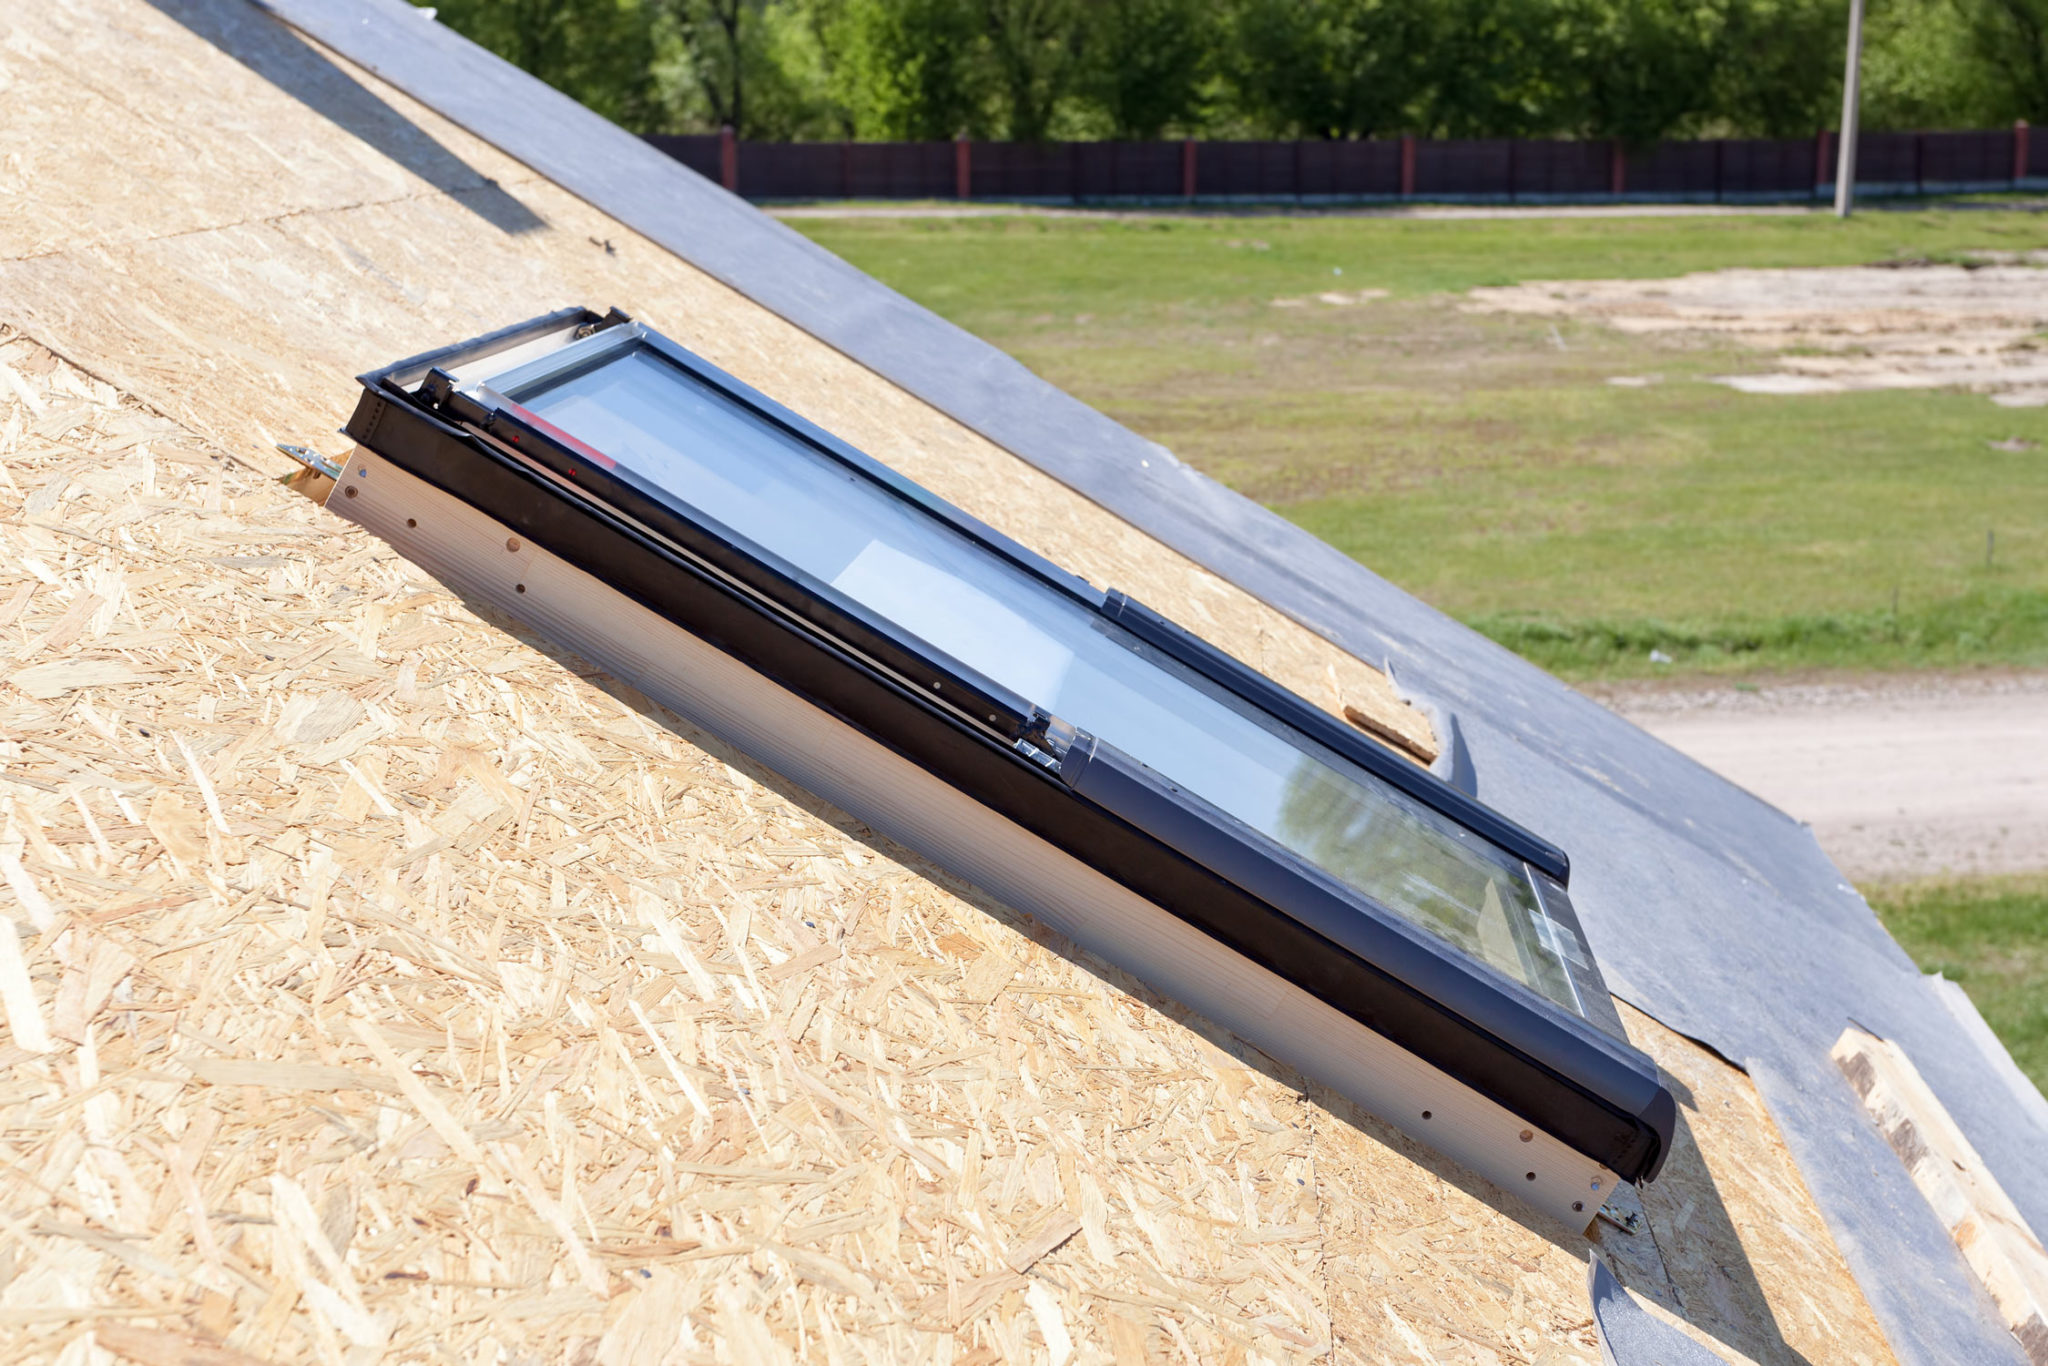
(1513, 932)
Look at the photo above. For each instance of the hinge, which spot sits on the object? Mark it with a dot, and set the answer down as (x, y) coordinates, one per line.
(612, 318)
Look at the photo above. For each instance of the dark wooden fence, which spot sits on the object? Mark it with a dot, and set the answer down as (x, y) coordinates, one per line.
(1467, 170)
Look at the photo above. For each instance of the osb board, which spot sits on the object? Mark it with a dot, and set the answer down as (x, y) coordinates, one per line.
(324, 792)
(385, 985)
(1731, 1247)
(1743, 1246)
(386, 988)
(166, 149)
(290, 252)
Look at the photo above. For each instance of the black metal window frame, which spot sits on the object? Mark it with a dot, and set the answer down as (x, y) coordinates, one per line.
(1573, 1075)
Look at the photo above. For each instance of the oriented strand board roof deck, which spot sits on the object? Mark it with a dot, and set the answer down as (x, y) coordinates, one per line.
(390, 983)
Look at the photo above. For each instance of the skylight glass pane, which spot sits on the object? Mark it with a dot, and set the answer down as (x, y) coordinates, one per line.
(691, 446)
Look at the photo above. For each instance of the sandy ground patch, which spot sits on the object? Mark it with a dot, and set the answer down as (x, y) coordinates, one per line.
(1900, 778)
(1334, 298)
(1834, 328)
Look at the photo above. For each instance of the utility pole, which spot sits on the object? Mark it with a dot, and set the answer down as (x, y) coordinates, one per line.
(1852, 71)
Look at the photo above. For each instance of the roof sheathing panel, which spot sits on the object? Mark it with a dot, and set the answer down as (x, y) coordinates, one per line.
(291, 802)
(1699, 880)
(241, 328)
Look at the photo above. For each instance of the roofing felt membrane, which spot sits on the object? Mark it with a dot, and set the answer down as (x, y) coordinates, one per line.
(393, 888)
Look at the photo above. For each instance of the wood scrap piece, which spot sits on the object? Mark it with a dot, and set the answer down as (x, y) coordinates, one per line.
(65, 629)
(426, 1102)
(1995, 1239)
(647, 1322)
(1052, 1324)
(556, 1217)
(1126, 1339)
(1049, 1238)
(174, 825)
(801, 962)
(40, 912)
(18, 995)
(968, 1300)
(60, 676)
(1387, 735)
(88, 982)
(285, 1076)
(162, 1347)
(11, 608)
(986, 979)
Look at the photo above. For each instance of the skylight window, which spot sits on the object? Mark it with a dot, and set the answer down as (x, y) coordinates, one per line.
(969, 611)
(1077, 713)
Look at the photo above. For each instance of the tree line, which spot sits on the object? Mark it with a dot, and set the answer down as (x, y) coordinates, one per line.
(1032, 70)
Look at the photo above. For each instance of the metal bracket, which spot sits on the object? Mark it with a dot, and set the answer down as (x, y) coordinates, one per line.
(1627, 1220)
(311, 459)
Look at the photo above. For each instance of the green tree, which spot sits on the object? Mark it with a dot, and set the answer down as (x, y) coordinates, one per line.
(1954, 63)
(1640, 70)
(718, 38)
(2009, 39)
(1498, 68)
(744, 64)
(1145, 64)
(1919, 69)
(1778, 67)
(1328, 68)
(800, 49)
(599, 52)
(1033, 49)
(908, 69)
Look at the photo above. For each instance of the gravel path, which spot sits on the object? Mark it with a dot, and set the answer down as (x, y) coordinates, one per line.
(1902, 777)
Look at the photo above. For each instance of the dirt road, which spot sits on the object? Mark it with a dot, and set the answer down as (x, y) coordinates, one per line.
(1899, 778)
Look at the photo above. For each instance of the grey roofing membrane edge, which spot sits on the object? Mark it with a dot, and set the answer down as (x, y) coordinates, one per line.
(1707, 908)
(1628, 1335)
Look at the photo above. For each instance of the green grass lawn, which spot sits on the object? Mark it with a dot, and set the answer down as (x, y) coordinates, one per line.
(1990, 936)
(1485, 463)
